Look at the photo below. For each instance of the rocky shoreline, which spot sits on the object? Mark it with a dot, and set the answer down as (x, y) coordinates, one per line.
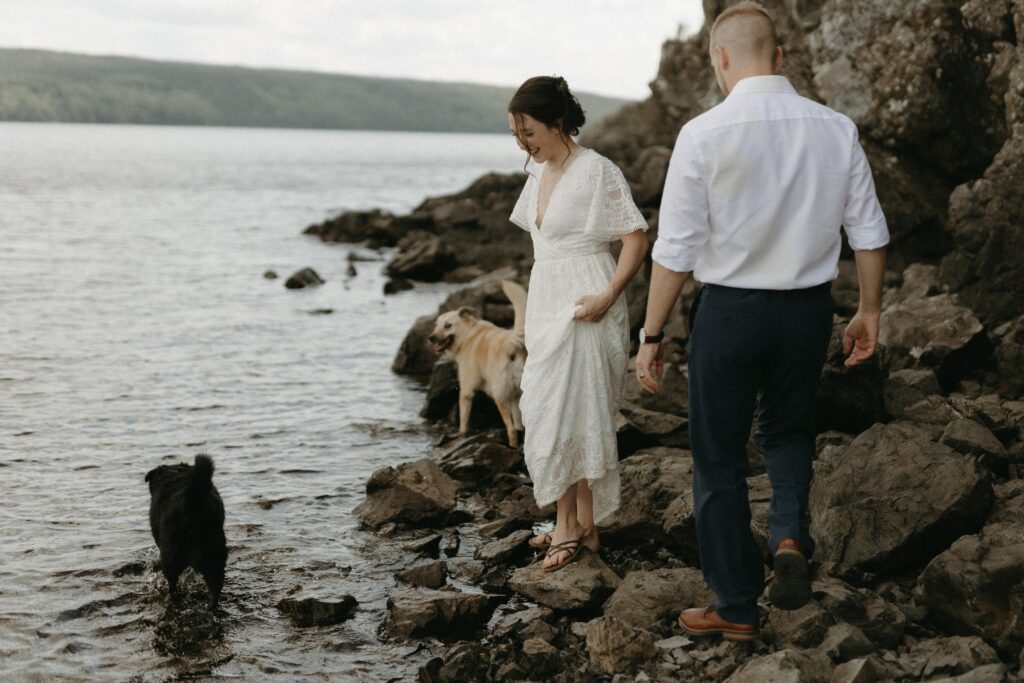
(918, 501)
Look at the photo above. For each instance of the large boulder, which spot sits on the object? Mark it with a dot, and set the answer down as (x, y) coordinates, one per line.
(413, 493)
(645, 598)
(374, 229)
(892, 500)
(478, 459)
(977, 585)
(935, 332)
(584, 583)
(422, 257)
(417, 612)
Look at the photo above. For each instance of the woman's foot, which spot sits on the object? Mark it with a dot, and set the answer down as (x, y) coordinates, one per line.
(565, 543)
(590, 540)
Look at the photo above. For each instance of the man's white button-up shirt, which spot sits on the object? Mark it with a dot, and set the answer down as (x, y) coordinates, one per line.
(758, 188)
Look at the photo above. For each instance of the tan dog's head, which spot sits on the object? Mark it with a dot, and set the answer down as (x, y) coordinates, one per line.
(451, 329)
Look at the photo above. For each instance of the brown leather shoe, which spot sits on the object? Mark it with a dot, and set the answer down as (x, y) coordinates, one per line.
(704, 621)
(791, 582)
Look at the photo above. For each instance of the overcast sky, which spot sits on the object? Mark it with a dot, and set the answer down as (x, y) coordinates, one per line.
(606, 46)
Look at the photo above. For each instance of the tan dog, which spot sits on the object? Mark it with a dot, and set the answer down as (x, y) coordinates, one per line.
(489, 358)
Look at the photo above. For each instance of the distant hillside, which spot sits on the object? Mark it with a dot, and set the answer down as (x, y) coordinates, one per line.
(38, 85)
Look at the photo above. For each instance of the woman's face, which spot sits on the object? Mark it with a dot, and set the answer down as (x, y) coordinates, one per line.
(542, 142)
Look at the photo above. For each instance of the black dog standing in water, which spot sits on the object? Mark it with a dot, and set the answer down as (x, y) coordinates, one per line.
(186, 515)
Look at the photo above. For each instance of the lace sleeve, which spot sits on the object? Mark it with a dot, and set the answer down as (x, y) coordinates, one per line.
(612, 211)
(521, 211)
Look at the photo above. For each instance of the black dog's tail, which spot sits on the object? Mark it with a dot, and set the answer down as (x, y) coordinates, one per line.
(202, 471)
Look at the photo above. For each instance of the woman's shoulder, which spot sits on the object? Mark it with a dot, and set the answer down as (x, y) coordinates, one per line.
(601, 167)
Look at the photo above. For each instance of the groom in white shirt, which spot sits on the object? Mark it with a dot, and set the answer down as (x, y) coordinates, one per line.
(755, 195)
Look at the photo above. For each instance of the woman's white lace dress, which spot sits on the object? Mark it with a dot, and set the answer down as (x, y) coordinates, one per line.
(575, 370)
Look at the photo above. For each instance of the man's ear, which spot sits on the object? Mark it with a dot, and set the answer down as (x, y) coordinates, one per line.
(777, 60)
(723, 57)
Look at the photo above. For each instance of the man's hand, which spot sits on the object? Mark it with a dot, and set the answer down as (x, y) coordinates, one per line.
(649, 367)
(861, 338)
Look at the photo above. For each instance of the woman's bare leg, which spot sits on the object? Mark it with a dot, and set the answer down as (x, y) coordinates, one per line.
(585, 513)
(566, 526)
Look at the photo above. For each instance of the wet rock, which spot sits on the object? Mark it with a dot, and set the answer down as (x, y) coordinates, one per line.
(542, 658)
(314, 611)
(417, 612)
(307, 277)
(501, 550)
(414, 493)
(503, 526)
(977, 585)
(615, 646)
(374, 228)
(881, 622)
(431, 575)
(646, 597)
(451, 548)
(845, 642)
(415, 357)
(797, 666)
(477, 459)
(397, 284)
(423, 257)
(848, 399)
(970, 438)
(463, 662)
(427, 545)
(652, 480)
(904, 388)
(350, 271)
(935, 333)
(269, 275)
(892, 500)
(946, 657)
(802, 628)
(586, 582)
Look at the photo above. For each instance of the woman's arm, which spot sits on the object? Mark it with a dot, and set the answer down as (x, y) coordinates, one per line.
(634, 248)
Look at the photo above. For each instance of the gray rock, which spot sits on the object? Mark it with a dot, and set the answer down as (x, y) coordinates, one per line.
(845, 642)
(500, 550)
(863, 670)
(990, 673)
(650, 169)
(665, 429)
(478, 459)
(1009, 357)
(414, 493)
(881, 622)
(422, 257)
(802, 628)
(934, 333)
(307, 610)
(932, 410)
(542, 658)
(970, 438)
(300, 279)
(511, 625)
(415, 356)
(977, 586)
(615, 646)
(652, 480)
(431, 575)
(785, 666)
(645, 598)
(416, 612)
(956, 655)
(464, 662)
(892, 500)
(906, 387)
(848, 399)
(584, 583)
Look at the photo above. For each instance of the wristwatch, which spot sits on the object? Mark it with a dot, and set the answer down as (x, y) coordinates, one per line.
(651, 338)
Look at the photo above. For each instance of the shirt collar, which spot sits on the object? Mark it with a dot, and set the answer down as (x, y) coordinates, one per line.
(763, 84)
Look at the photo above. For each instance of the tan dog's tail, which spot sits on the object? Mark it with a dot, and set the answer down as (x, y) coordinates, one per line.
(517, 295)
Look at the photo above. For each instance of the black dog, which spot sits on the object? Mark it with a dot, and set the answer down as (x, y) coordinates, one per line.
(186, 515)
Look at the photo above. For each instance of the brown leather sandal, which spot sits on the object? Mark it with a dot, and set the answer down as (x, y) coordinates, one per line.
(571, 547)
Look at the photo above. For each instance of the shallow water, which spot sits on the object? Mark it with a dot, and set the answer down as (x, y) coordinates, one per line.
(136, 328)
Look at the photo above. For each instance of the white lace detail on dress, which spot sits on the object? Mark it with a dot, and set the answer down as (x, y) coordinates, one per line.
(521, 211)
(613, 213)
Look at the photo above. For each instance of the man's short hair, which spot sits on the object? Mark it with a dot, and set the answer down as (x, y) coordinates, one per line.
(748, 8)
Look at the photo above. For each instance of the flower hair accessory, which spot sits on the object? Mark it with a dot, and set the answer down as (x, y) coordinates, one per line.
(563, 87)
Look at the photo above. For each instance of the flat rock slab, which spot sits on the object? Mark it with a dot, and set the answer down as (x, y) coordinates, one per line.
(432, 575)
(785, 666)
(414, 493)
(893, 500)
(615, 646)
(500, 550)
(417, 612)
(314, 611)
(645, 598)
(586, 582)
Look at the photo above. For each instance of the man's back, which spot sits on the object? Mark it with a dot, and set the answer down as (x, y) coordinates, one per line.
(774, 175)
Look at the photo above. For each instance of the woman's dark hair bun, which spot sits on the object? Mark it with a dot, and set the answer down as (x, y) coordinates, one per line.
(549, 100)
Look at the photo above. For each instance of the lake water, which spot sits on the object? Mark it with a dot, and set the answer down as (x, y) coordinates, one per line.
(136, 328)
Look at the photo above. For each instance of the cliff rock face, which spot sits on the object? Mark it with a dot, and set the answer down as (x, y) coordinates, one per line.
(937, 90)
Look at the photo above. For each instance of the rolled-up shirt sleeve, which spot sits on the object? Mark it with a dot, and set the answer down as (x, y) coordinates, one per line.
(683, 225)
(863, 219)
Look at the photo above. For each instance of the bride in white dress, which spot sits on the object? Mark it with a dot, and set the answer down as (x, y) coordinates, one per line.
(575, 203)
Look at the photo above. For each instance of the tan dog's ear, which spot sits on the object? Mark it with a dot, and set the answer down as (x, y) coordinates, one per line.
(467, 312)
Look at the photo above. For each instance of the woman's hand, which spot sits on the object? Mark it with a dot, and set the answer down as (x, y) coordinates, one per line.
(591, 308)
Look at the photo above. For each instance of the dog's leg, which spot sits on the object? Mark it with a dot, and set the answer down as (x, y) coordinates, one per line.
(506, 417)
(465, 407)
(517, 415)
(214, 577)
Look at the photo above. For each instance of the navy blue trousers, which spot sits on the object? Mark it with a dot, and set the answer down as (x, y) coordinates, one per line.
(753, 352)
